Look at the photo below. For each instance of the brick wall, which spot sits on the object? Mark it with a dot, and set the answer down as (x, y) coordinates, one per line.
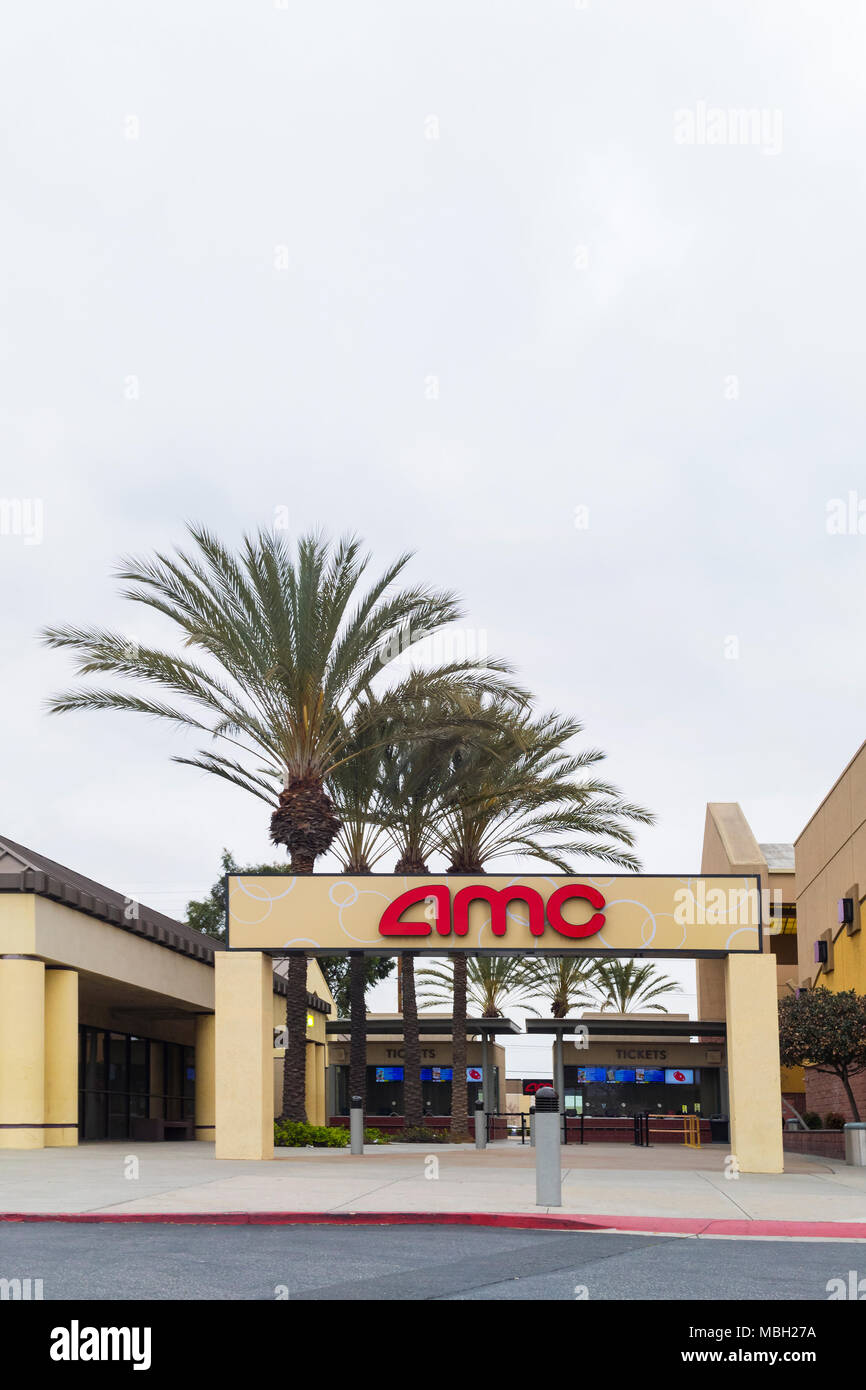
(796, 1099)
(825, 1093)
(827, 1143)
(664, 1129)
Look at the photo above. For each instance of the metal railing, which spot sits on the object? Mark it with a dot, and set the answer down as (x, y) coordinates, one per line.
(580, 1129)
(691, 1131)
(514, 1124)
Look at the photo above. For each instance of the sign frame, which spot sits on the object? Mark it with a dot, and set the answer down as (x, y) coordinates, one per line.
(554, 946)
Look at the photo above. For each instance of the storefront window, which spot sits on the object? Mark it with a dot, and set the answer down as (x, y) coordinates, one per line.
(385, 1090)
(124, 1077)
(597, 1091)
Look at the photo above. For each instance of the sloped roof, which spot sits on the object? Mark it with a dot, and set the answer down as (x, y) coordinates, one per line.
(779, 857)
(23, 870)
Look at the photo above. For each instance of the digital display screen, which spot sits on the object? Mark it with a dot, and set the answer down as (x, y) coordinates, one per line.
(650, 1076)
(476, 1074)
(624, 1074)
(389, 1073)
(585, 1074)
(436, 1073)
(679, 1076)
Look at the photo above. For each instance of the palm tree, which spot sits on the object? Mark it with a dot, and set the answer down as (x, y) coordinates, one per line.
(354, 785)
(491, 982)
(289, 650)
(412, 1094)
(459, 1053)
(514, 793)
(626, 985)
(415, 778)
(485, 982)
(518, 790)
(564, 983)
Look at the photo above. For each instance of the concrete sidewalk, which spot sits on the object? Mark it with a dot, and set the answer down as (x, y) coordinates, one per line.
(679, 1188)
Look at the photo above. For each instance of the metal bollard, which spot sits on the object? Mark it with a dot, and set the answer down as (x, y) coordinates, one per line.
(480, 1125)
(532, 1126)
(356, 1125)
(548, 1173)
(855, 1145)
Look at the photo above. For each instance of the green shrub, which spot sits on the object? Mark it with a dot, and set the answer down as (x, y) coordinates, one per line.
(291, 1134)
(376, 1136)
(419, 1134)
(812, 1120)
(834, 1120)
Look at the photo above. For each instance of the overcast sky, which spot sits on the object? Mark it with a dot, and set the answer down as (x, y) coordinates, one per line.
(521, 286)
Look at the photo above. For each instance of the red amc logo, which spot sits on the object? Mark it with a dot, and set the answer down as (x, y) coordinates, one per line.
(443, 917)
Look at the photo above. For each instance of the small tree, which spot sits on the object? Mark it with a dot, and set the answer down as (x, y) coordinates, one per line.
(825, 1031)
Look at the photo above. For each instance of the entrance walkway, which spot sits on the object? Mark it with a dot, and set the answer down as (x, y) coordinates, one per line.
(676, 1188)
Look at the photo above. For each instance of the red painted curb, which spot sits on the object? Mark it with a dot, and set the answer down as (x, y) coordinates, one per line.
(541, 1221)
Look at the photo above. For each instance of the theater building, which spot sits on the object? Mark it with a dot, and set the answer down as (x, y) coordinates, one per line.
(830, 858)
(627, 1074)
(730, 847)
(107, 1014)
(386, 1070)
(813, 912)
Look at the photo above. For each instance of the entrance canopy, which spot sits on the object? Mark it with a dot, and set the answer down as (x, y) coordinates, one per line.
(387, 1027)
(630, 1027)
(495, 914)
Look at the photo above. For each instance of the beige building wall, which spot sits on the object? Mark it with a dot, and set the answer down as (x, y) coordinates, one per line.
(730, 847)
(831, 864)
(100, 975)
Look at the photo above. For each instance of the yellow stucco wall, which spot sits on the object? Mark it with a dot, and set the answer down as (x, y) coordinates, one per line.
(849, 964)
(244, 1055)
(831, 860)
(61, 1058)
(754, 1082)
(22, 1054)
(18, 924)
(73, 938)
(205, 1076)
(119, 968)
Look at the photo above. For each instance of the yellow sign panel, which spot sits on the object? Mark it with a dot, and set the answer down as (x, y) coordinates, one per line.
(549, 914)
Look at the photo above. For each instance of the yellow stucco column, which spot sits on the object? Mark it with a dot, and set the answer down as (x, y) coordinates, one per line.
(310, 1073)
(753, 1063)
(321, 1078)
(22, 1053)
(205, 1076)
(315, 1074)
(244, 1109)
(61, 1057)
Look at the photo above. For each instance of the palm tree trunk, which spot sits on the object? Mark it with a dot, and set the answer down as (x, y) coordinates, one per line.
(358, 1035)
(459, 1090)
(413, 1114)
(295, 1059)
(296, 825)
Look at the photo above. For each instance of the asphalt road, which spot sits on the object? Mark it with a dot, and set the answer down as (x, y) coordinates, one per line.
(394, 1263)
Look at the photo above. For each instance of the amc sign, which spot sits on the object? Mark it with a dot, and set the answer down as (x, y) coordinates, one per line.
(441, 916)
(557, 914)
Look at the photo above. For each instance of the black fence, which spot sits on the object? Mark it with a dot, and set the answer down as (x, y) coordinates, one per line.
(582, 1129)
